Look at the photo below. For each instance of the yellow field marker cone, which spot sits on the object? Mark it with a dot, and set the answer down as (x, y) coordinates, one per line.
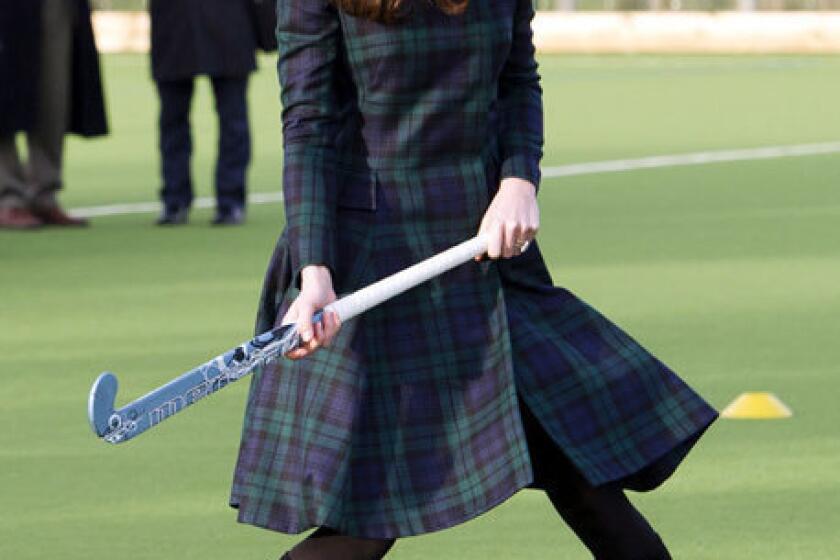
(757, 406)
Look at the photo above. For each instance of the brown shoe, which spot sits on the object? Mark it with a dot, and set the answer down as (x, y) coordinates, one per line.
(18, 218)
(55, 216)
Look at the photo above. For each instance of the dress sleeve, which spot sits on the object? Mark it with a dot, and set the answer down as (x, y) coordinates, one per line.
(520, 99)
(308, 36)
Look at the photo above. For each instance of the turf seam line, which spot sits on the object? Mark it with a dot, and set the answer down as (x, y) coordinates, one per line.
(569, 170)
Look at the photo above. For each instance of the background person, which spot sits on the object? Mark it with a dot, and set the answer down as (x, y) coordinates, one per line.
(49, 85)
(216, 38)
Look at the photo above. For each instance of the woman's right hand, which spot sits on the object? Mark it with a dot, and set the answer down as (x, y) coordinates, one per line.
(316, 292)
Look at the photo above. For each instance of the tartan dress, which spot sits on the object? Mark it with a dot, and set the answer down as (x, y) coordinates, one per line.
(395, 138)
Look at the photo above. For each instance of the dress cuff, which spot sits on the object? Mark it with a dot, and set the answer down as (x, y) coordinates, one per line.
(314, 247)
(522, 166)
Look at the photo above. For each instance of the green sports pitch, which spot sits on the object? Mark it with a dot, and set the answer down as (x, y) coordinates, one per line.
(729, 271)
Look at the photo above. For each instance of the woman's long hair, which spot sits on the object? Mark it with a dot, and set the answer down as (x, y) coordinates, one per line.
(391, 10)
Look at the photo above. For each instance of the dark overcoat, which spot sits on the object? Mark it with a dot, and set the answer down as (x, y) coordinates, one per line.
(264, 15)
(191, 38)
(396, 138)
(19, 49)
(20, 38)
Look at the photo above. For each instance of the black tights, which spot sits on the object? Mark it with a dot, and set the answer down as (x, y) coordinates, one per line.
(607, 523)
(326, 544)
(601, 516)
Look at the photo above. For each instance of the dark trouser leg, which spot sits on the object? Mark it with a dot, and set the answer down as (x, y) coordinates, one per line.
(13, 187)
(234, 141)
(326, 544)
(176, 142)
(601, 516)
(46, 139)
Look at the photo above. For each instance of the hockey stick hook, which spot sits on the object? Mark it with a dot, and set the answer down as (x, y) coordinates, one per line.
(101, 404)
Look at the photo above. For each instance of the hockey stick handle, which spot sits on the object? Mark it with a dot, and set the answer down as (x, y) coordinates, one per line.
(370, 296)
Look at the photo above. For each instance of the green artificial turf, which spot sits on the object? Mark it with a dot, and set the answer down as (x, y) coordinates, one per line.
(729, 272)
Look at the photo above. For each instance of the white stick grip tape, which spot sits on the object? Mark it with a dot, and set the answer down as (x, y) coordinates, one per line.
(358, 302)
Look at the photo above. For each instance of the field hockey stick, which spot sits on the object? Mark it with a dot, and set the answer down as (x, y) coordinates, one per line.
(117, 426)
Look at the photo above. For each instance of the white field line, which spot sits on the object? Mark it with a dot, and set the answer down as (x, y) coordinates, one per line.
(153, 207)
(697, 158)
(570, 170)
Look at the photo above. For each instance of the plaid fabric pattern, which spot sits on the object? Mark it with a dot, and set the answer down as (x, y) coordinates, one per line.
(396, 139)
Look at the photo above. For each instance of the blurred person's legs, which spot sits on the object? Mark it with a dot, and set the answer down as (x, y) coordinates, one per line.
(28, 193)
(175, 150)
(14, 191)
(45, 141)
(234, 148)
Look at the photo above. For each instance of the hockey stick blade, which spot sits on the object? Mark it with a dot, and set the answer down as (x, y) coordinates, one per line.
(117, 426)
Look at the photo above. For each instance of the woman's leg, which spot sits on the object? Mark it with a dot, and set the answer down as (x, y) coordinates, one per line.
(606, 522)
(326, 544)
(601, 516)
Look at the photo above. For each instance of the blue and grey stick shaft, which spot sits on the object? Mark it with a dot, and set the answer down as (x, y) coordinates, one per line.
(117, 426)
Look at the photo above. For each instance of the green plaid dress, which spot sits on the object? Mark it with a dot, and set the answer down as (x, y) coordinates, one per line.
(396, 137)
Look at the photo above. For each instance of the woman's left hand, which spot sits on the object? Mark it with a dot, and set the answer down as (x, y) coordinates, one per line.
(512, 220)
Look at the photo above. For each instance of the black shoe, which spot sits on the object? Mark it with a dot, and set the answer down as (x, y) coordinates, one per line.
(174, 216)
(234, 216)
